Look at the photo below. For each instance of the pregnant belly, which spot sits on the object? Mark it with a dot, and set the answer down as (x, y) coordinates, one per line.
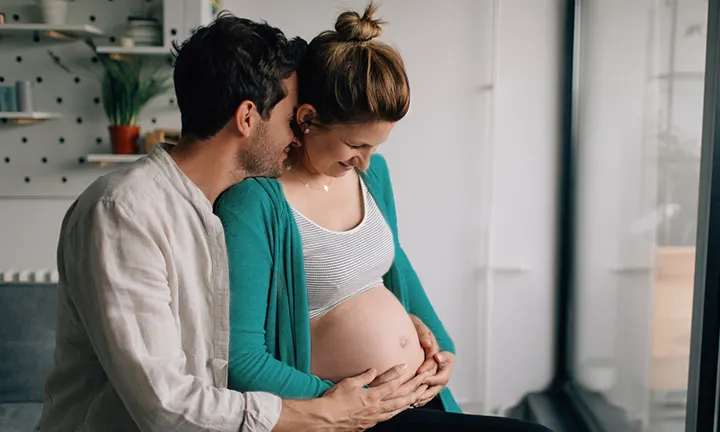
(370, 330)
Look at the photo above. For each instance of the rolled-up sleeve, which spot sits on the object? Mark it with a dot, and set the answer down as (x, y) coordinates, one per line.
(262, 411)
(120, 285)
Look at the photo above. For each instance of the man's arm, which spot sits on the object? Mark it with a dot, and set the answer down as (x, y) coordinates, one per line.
(120, 287)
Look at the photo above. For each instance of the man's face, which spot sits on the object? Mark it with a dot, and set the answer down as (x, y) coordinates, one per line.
(265, 154)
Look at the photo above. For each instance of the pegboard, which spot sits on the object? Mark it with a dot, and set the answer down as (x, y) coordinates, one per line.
(48, 159)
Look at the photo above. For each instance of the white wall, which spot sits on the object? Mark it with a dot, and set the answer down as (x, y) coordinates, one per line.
(29, 230)
(473, 166)
(522, 244)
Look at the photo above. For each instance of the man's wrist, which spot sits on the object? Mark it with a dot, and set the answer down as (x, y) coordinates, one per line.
(302, 415)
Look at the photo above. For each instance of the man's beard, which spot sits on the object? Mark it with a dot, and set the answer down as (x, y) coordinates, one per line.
(259, 158)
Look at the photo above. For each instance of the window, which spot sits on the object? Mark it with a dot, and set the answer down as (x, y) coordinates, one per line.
(638, 289)
(639, 128)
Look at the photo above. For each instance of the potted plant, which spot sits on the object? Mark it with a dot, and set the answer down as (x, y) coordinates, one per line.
(126, 88)
(127, 85)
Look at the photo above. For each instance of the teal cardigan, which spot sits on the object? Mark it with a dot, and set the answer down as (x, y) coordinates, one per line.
(269, 322)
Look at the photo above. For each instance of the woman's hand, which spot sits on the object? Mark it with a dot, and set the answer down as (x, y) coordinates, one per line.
(437, 366)
(429, 345)
(445, 361)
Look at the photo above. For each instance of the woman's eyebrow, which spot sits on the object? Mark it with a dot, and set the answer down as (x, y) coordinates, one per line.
(348, 142)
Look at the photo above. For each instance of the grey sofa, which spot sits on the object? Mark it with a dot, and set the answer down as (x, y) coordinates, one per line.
(27, 342)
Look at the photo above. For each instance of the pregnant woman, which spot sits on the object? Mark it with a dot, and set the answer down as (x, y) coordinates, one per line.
(320, 288)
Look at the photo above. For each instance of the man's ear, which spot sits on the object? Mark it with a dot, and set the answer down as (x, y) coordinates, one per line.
(246, 118)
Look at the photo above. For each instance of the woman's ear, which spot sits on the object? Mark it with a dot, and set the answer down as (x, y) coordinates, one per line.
(304, 116)
(246, 117)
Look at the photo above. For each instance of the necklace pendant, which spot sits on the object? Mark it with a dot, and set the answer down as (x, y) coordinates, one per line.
(326, 188)
(307, 186)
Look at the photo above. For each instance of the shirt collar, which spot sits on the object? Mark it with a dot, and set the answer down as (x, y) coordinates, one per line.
(159, 155)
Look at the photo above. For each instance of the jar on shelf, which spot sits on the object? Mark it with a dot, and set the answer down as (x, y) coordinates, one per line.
(144, 31)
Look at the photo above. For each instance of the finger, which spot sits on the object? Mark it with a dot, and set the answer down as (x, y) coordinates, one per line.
(443, 359)
(422, 390)
(430, 345)
(363, 379)
(380, 379)
(430, 366)
(388, 375)
(419, 393)
(440, 378)
(387, 416)
(397, 403)
(394, 382)
(429, 395)
(409, 387)
(425, 336)
(431, 392)
(422, 403)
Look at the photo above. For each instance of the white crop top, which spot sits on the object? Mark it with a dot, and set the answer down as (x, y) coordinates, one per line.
(342, 264)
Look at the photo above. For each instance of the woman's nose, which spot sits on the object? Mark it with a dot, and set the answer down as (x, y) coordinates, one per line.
(363, 162)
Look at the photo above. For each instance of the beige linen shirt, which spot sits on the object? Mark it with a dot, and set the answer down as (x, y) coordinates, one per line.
(142, 330)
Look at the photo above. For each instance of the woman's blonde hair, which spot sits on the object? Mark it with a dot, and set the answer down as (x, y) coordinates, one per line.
(351, 78)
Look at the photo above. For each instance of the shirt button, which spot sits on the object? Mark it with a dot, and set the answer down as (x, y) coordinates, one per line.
(218, 363)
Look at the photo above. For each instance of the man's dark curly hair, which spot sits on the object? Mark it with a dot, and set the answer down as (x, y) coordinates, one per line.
(230, 61)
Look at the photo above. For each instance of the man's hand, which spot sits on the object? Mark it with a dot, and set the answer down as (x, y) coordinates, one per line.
(349, 406)
(415, 386)
(437, 382)
(429, 345)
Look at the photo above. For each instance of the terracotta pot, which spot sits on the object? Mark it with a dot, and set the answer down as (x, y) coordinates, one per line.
(124, 138)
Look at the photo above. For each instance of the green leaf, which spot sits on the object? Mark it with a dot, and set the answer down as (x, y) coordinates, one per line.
(128, 85)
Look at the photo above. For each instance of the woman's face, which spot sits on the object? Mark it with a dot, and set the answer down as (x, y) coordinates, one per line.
(335, 150)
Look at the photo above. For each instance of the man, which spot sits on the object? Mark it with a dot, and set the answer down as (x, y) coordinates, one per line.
(142, 334)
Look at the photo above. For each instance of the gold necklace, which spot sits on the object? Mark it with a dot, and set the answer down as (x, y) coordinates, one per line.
(325, 187)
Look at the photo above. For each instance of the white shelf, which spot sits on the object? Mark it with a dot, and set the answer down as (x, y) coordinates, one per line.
(56, 31)
(28, 117)
(138, 50)
(106, 159)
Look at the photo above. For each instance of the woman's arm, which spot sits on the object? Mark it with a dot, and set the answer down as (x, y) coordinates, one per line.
(244, 211)
(418, 302)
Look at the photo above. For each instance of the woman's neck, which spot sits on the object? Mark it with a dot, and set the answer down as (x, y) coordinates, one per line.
(299, 163)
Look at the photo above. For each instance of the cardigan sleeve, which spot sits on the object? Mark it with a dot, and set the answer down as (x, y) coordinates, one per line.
(417, 300)
(245, 211)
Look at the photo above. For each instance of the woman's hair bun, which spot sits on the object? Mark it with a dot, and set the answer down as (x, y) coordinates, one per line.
(350, 26)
